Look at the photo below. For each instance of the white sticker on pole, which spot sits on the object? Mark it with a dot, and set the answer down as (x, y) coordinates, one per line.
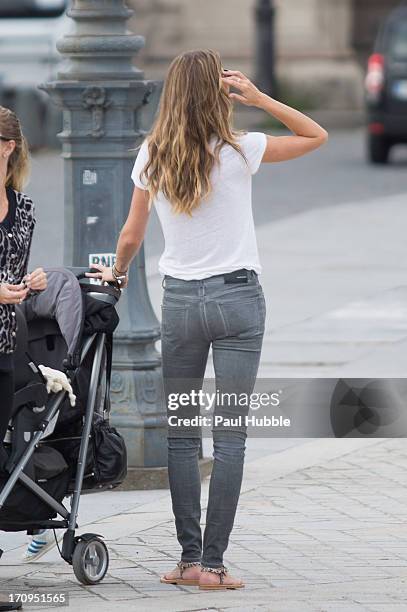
(89, 177)
(105, 259)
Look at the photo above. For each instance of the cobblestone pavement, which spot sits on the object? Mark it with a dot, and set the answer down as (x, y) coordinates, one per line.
(320, 527)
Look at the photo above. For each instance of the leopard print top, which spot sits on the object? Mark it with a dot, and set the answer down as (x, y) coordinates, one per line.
(15, 245)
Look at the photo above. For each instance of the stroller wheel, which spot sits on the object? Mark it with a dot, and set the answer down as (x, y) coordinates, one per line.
(90, 560)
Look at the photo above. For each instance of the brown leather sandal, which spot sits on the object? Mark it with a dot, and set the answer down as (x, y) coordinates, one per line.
(182, 565)
(222, 571)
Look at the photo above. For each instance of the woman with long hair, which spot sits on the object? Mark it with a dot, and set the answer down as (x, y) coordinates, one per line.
(197, 171)
(17, 221)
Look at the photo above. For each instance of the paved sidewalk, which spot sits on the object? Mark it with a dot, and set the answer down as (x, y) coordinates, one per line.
(320, 528)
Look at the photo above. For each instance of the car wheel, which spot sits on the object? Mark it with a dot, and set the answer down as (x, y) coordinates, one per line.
(378, 149)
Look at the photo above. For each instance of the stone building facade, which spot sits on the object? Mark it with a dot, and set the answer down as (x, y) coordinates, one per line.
(322, 45)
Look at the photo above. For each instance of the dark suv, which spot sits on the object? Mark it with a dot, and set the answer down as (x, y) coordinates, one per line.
(386, 88)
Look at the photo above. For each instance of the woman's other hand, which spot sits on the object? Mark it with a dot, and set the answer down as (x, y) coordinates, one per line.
(36, 280)
(248, 94)
(12, 294)
(105, 275)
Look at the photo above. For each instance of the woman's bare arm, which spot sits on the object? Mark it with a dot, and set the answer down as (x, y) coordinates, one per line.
(132, 233)
(307, 134)
(130, 237)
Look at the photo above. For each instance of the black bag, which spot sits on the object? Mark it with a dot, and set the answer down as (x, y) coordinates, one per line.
(106, 460)
(109, 453)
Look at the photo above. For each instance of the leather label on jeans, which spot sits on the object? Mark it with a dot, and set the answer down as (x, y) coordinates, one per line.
(240, 276)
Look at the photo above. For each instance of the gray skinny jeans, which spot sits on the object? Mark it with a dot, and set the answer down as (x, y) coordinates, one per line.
(195, 315)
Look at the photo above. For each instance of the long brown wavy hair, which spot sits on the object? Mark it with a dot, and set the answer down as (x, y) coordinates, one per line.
(194, 106)
(19, 162)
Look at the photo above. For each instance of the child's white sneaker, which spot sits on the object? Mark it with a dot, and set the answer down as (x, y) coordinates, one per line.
(40, 544)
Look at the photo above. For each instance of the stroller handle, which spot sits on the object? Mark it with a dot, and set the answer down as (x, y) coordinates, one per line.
(107, 293)
(80, 272)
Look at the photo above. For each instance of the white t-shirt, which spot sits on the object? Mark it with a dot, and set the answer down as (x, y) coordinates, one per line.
(220, 235)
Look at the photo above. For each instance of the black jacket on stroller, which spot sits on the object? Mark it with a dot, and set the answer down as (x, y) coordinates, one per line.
(56, 449)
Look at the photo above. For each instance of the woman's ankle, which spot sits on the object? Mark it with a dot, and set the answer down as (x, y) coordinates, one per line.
(213, 569)
(187, 564)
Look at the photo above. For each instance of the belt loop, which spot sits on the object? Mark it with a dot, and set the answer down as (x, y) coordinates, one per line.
(163, 282)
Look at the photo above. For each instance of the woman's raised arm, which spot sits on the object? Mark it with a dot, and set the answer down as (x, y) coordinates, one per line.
(307, 134)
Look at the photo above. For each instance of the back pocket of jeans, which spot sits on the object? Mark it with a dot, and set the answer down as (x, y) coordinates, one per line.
(173, 322)
(243, 318)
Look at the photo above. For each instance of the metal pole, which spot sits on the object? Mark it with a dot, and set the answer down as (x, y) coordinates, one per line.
(265, 77)
(102, 93)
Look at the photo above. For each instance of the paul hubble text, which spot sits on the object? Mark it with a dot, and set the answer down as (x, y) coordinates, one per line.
(219, 421)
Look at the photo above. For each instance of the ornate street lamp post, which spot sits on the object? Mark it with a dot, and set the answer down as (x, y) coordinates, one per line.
(102, 93)
(265, 46)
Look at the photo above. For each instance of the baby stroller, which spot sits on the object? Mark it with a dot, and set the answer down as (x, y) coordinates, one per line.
(55, 449)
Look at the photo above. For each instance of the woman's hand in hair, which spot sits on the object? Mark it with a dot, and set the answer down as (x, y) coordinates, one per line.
(248, 94)
(36, 280)
(12, 294)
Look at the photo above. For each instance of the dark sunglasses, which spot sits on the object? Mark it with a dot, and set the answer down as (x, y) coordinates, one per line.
(5, 139)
